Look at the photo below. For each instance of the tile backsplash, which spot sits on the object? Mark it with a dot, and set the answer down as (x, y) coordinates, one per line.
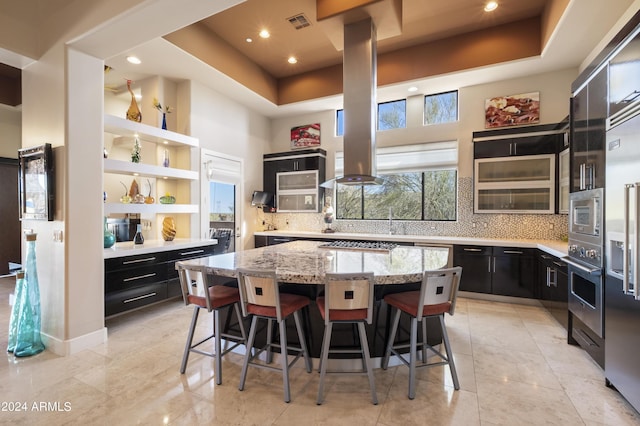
(523, 226)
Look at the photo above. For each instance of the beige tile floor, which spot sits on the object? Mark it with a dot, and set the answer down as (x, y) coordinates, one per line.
(514, 367)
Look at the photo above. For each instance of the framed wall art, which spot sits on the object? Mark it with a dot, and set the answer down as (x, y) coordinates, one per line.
(36, 182)
(512, 110)
(307, 136)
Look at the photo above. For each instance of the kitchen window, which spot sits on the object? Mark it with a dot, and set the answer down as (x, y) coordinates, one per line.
(392, 115)
(420, 183)
(441, 108)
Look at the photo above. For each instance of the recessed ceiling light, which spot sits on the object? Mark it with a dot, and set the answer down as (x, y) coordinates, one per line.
(413, 89)
(249, 40)
(292, 60)
(264, 34)
(491, 6)
(134, 60)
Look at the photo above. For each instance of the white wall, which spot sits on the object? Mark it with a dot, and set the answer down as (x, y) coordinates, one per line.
(554, 88)
(224, 126)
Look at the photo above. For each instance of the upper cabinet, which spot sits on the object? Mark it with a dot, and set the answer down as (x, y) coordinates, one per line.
(589, 108)
(294, 178)
(515, 169)
(166, 175)
(624, 76)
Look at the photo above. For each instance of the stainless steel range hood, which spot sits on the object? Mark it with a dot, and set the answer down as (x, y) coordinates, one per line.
(360, 105)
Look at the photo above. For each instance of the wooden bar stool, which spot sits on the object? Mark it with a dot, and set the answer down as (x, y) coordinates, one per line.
(197, 291)
(437, 296)
(260, 296)
(348, 298)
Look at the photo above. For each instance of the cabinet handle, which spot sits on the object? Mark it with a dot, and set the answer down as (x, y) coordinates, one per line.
(144, 296)
(146, 259)
(139, 277)
(548, 275)
(552, 278)
(282, 240)
(489, 265)
(510, 148)
(472, 249)
(545, 257)
(187, 253)
(629, 98)
(560, 264)
(582, 178)
(512, 252)
(494, 264)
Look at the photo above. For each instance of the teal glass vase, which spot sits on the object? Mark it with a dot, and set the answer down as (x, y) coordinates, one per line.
(109, 238)
(28, 339)
(15, 312)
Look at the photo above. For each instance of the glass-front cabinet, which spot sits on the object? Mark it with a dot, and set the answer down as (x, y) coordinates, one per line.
(297, 191)
(524, 184)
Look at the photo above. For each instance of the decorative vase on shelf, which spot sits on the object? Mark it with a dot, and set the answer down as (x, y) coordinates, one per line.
(138, 238)
(135, 152)
(133, 113)
(109, 238)
(165, 158)
(15, 312)
(164, 121)
(28, 340)
(168, 228)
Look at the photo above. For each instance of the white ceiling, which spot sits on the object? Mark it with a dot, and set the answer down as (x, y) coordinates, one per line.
(585, 25)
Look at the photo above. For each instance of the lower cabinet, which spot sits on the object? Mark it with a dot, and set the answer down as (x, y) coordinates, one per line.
(504, 271)
(134, 281)
(553, 282)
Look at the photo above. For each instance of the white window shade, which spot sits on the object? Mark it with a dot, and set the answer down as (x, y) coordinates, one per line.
(411, 158)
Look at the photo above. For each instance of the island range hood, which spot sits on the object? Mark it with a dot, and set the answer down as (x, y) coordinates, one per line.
(359, 87)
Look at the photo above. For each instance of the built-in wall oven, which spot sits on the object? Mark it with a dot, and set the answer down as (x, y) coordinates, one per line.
(584, 267)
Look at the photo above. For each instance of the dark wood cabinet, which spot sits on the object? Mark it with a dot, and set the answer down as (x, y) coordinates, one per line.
(292, 161)
(589, 108)
(531, 140)
(553, 286)
(504, 271)
(134, 281)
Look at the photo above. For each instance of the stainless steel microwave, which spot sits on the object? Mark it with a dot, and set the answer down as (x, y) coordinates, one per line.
(585, 213)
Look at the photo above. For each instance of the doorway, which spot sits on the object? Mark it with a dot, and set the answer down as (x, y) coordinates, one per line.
(10, 249)
(220, 208)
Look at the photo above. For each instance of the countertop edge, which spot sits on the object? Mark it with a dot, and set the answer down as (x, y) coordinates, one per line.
(553, 247)
(127, 248)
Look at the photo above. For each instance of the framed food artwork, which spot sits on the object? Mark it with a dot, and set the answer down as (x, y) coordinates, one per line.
(512, 110)
(307, 136)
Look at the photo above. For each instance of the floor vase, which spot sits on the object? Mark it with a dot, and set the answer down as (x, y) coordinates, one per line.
(28, 339)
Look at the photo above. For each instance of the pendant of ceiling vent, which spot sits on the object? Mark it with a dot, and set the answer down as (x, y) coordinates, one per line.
(299, 21)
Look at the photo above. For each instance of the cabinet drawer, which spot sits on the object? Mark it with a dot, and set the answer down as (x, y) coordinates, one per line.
(129, 278)
(120, 301)
(190, 253)
(513, 251)
(472, 250)
(127, 262)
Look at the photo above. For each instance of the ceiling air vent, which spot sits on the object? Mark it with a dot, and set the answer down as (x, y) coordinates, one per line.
(299, 21)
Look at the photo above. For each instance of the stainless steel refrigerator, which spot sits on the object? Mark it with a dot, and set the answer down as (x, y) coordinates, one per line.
(622, 260)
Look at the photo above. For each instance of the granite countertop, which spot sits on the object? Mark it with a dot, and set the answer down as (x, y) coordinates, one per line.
(128, 248)
(304, 262)
(554, 247)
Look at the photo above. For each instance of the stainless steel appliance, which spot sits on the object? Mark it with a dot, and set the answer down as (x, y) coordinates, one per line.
(123, 228)
(585, 258)
(622, 280)
(584, 269)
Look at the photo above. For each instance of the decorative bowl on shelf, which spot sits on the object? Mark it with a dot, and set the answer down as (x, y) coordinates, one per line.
(167, 199)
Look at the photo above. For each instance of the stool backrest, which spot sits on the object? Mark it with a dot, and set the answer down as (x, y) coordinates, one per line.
(259, 287)
(348, 292)
(194, 285)
(439, 287)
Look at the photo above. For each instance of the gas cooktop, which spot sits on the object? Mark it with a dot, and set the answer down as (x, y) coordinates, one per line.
(359, 245)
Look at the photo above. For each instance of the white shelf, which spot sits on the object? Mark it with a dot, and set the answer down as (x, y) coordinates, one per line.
(147, 170)
(122, 208)
(124, 127)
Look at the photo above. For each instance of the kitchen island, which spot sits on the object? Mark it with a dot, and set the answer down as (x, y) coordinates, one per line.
(302, 265)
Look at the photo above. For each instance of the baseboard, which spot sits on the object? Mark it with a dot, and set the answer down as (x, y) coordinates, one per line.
(75, 345)
(498, 298)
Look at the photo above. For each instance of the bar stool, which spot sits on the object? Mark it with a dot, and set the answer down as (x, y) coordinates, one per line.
(348, 298)
(198, 291)
(260, 296)
(437, 296)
